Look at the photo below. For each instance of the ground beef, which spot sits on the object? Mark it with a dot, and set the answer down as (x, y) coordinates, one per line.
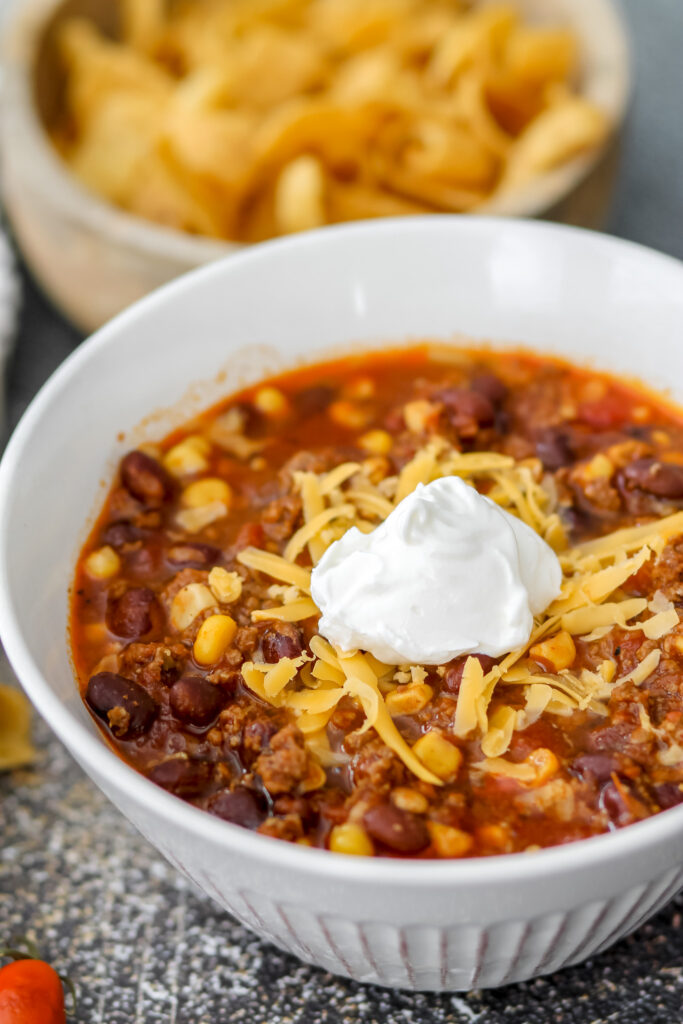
(285, 764)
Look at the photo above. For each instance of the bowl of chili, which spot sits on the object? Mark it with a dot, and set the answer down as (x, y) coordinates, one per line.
(420, 922)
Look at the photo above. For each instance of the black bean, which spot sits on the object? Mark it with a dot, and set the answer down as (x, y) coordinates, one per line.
(195, 556)
(401, 831)
(241, 806)
(196, 701)
(282, 641)
(553, 448)
(181, 776)
(145, 478)
(663, 479)
(130, 615)
(126, 707)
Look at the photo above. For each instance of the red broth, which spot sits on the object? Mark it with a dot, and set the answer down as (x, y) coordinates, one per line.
(174, 696)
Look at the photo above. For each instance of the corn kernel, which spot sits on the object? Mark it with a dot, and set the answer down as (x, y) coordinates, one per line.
(418, 414)
(544, 762)
(315, 779)
(103, 563)
(188, 456)
(555, 653)
(598, 468)
(188, 603)
(205, 492)
(495, 836)
(95, 632)
(407, 700)
(607, 670)
(661, 437)
(213, 639)
(360, 388)
(271, 401)
(352, 840)
(448, 841)
(192, 520)
(438, 755)
(407, 799)
(346, 414)
(377, 442)
(225, 586)
(641, 414)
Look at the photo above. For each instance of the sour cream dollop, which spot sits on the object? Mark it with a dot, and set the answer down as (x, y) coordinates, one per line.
(447, 573)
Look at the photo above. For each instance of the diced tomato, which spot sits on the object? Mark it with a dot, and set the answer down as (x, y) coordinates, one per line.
(605, 413)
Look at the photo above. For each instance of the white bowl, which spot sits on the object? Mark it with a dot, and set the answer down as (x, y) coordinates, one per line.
(420, 925)
(94, 260)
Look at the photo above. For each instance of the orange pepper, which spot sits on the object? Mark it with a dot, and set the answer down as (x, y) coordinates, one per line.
(31, 993)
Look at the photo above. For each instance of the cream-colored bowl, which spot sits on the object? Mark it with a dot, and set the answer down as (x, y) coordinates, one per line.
(411, 924)
(94, 260)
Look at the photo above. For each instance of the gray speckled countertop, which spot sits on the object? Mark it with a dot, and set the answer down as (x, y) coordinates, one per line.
(142, 944)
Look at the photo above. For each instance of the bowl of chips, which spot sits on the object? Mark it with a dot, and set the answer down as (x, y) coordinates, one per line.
(143, 138)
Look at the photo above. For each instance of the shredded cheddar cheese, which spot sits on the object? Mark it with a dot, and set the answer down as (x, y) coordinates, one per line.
(590, 605)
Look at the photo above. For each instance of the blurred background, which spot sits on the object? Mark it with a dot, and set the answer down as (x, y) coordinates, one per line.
(65, 853)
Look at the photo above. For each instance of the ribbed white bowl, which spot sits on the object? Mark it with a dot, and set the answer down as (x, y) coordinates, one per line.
(429, 925)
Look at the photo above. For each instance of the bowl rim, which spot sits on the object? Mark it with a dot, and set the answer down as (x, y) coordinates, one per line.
(23, 30)
(92, 749)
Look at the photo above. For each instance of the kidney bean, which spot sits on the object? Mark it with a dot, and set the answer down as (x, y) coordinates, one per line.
(467, 409)
(595, 766)
(553, 448)
(145, 479)
(131, 614)
(196, 701)
(194, 556)
(282, 641)
(668, 794)
(663, 479)
(118, 534)
(401, 831)
(181, 776)
(453, 676)
(490, 386)
(241, 806)
(126, 707)
(615, 806)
